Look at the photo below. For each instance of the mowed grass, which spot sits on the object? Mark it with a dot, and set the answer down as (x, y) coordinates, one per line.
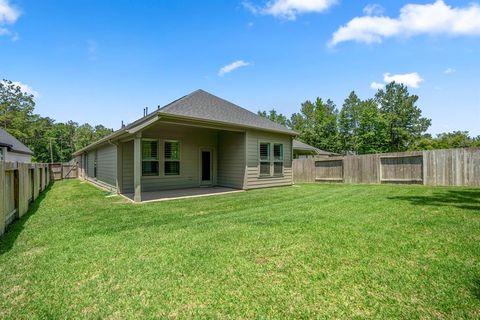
(322, 251)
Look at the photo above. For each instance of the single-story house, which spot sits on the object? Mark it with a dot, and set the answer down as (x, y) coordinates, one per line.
(12, 150)
(301, 150)
(198, 140)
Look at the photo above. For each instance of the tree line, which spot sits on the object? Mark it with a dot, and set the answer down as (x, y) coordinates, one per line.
(50, 141)
(391, 121)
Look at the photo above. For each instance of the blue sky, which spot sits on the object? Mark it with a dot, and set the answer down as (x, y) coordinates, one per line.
(104, 61)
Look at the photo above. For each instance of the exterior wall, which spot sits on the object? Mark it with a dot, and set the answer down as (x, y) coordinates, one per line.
(191, 140)
(11, 156)
(252, 174)
(90, 164)
(107, 164)
(231, 159)
(127, 167)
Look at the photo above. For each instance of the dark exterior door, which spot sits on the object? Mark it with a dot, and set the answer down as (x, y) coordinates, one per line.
(206, 167)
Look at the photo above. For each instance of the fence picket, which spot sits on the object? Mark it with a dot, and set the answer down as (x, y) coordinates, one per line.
(452, 167)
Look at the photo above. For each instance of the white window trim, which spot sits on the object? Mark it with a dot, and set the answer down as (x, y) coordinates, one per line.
(263, 175)
(282, 160)
(165, 159)
(271, 160)
(151, 160)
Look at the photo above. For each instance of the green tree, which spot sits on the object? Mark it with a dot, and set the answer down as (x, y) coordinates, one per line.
(404, 121)
(371, 129)
(446, 140)
(316, 124)
(101, 131)
(349, 123)
(84, 135)
(274, 116)
(16, 110)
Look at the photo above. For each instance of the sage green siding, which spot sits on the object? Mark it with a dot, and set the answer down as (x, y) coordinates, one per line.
(90, 163)
(234, 157)
(127, 167)
(252, 176)
(231, 159)
(106, 157)
(107, 164)
(191, 140)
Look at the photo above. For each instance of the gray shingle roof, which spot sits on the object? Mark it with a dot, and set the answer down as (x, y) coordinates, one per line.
(205, 106)
(9, 141)
(201, 105)
(298, 145)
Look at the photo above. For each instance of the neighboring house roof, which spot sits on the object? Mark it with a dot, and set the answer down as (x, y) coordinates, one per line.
(204, 106)
(12, 144)
(298, 145)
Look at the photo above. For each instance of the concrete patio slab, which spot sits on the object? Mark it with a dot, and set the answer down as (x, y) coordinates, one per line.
(164, 195)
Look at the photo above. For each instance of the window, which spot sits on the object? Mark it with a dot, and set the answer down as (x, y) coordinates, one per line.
(264, 158)
(1, 154)
(269, 159)
(149, 157)
(172, 158)
(278, 159)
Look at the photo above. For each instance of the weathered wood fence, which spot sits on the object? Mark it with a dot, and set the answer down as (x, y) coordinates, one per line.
(20, 185)
(60, 171)
(452, 167)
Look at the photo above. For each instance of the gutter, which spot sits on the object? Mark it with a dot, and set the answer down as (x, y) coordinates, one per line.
(152, 118)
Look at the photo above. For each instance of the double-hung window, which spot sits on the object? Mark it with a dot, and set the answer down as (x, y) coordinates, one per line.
(172, 158)
(270, 159)
(149, 157)
(277, 159)
(264, 158)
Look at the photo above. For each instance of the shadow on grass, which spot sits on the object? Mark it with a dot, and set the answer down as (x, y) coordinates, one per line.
(466, 199)
(476, 288)
(7, 240)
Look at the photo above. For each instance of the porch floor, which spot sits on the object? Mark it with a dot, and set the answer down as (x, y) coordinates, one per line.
(164, 195)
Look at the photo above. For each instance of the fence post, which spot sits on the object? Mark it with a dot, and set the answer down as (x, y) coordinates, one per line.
(2, 197)
(36, 182)
(22, 189)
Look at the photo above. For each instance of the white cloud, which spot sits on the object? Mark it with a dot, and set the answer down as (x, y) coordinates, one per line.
(409, 79)
(376, 85)
(25, 88)
(432, 19)
(232, 66)
(289, 9)
(373, 9)
(8, 15)
(449, 71)
(412, 80)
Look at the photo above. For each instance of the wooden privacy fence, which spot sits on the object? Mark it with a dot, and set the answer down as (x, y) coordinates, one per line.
(20, 185)
(60, 171)
(452, 167)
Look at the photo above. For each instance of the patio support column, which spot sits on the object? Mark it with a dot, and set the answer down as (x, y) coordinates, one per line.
(137, 167)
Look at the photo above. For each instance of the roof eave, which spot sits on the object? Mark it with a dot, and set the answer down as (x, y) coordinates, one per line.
(154, 117)
(182, 117)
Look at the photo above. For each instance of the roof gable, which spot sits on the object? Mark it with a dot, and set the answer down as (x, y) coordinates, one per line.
(205, 106)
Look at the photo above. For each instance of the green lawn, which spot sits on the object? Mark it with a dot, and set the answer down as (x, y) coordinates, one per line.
(324, 251)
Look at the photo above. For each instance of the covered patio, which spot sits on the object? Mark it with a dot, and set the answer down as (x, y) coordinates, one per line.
(164, 195)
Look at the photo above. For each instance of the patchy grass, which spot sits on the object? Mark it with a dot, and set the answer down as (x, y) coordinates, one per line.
(329, 251)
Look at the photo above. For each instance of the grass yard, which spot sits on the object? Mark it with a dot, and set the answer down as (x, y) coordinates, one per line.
(324, 251)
